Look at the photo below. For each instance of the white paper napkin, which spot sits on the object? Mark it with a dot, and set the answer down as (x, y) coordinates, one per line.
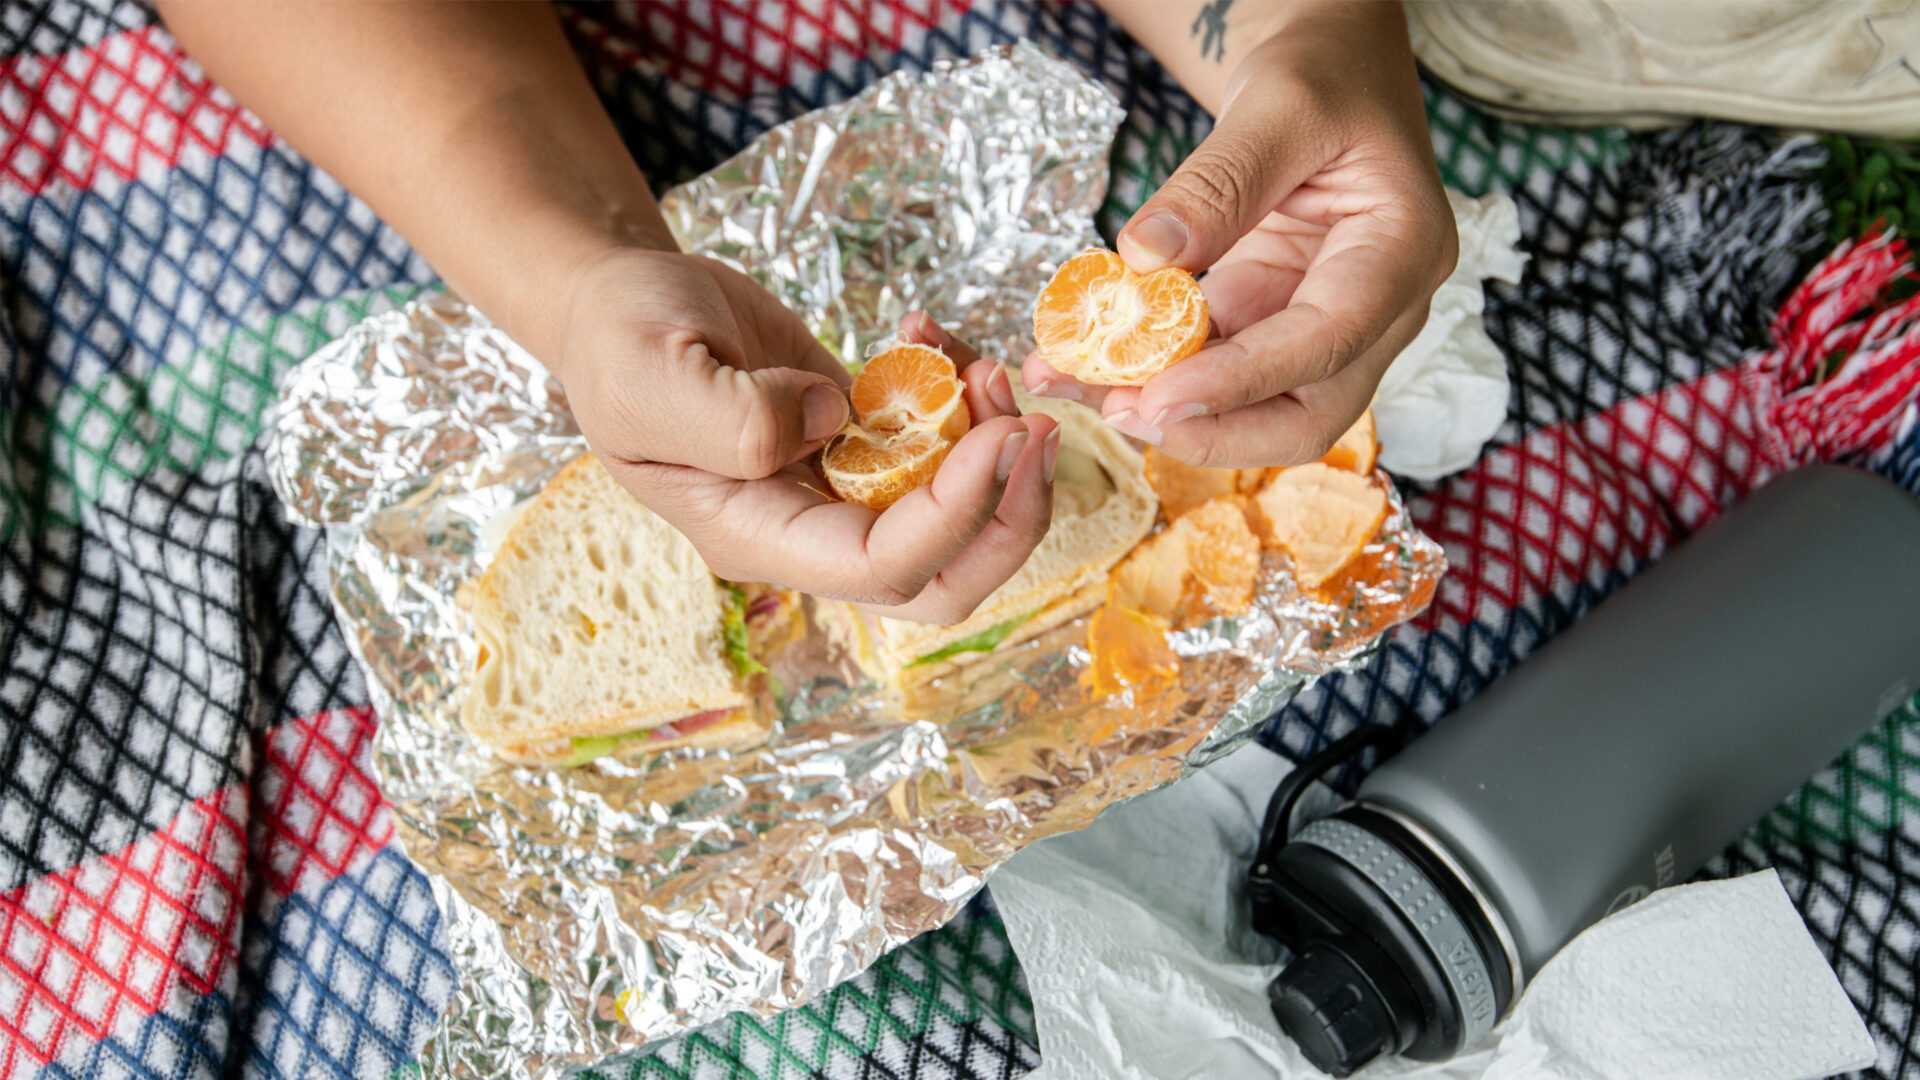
(1445, 395)
(1135, 940)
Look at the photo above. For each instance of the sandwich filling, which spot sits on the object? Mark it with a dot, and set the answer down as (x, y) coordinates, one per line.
(985, 641)
(583, 749)
(757, 619)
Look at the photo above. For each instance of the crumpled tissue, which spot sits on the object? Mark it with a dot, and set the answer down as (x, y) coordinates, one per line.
(1445, 395)
(1135, 940)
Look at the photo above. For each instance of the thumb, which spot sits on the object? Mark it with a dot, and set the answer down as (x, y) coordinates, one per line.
(742, 424)
(1236, 176)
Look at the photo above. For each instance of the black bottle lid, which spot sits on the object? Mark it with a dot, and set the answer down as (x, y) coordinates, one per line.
(1391, 955)
(1330, 1009)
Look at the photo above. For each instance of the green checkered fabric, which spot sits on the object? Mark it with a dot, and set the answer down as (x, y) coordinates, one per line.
(1863, 795)
(1478, 152)
(179, 417)
(923, 1002)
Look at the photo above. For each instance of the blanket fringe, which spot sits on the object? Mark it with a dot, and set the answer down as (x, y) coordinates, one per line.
(1830, 322)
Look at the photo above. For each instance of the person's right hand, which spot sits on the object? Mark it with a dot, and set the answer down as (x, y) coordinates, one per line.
(705, 397)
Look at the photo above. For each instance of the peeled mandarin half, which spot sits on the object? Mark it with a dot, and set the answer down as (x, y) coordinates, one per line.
(1356, 450)
(909, 410)
(1321, 517)
(1101, 323)
(911, 388)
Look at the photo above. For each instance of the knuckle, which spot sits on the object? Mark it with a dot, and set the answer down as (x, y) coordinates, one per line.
(1210, 183)
(891, 591)
(759, 439)
(1201, 453)
(892, 596)
(1311, 440)
(1218, 178)
(1316, 443)
(1042, 523)
(948, 612)
(726, 569)
(1339, 343)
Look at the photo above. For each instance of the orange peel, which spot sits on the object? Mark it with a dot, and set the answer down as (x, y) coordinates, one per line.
(1322, 517)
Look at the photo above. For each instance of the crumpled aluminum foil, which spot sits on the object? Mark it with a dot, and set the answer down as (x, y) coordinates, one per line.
(592, 910)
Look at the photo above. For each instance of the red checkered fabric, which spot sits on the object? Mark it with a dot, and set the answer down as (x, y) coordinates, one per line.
(316, 809)
(1571, 503)
(93, 950)
(129, 105)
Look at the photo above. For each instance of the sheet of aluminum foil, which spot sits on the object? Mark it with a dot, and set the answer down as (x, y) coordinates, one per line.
(593, 910)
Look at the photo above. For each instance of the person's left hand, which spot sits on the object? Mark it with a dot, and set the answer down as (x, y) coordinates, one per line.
(1317, 212)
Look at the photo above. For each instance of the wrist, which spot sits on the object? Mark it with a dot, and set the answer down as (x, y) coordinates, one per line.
(1337, 38)
(536, 301)
(603, 282)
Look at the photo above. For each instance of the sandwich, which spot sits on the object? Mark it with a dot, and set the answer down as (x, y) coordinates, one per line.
(1102, 507)
(601, 631)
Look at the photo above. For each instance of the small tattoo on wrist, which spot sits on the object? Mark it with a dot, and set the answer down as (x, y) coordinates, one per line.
(1210, 26)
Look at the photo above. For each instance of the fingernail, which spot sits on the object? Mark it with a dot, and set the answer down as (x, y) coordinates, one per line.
(1009, 455)
(1060, 388)
(1173, 414)
(1050, 453)
(825, 409)
(929, 331)
(1126, 423)
(1000, 389)
(1160, 238)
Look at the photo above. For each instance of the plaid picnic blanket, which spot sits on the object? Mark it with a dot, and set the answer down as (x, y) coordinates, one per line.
(198, 878)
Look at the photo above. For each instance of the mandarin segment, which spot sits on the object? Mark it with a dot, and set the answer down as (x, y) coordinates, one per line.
(1205, 563)
(909, 409)
(1321, 517)
(911, 387)
(1153, 577)
(1101, 323)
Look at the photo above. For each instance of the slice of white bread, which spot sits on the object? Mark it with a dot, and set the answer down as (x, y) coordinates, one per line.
(595, 617)
(1102, 507)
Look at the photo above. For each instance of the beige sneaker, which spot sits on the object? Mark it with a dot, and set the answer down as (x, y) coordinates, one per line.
(1840, 65)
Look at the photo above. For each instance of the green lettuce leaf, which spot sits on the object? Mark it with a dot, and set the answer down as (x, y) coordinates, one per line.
(588, 747)
(734, 631)
(984, 641)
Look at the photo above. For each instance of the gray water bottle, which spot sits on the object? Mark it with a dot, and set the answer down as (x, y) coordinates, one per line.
(1621, 757)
